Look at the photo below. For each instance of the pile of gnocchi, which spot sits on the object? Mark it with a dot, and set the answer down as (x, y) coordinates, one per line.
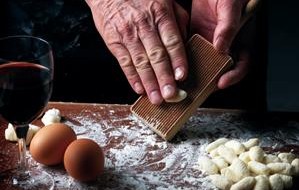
(234, 165)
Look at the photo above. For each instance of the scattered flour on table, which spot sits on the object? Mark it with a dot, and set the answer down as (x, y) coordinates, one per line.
(136, 158)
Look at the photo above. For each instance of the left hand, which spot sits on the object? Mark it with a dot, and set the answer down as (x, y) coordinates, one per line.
(219, 21)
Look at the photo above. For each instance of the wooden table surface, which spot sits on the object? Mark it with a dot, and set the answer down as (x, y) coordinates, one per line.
(136, 158)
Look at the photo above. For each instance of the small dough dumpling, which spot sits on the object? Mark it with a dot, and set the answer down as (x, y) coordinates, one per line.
(181, 95)
(51, 116)
(207, 165)
(32, 130)
(10, 133)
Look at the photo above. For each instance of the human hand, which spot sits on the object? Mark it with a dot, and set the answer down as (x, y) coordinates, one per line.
(219, 22)
(144, 37)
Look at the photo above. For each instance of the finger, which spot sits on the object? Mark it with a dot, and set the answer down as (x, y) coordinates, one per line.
(171, 39)
(228, 21)
(123, 57)
(157, 56)
(182, 18)
(237, 74)
(142, 64)
(112, 39)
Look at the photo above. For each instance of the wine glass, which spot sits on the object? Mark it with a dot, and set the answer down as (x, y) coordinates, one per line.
(26, 79)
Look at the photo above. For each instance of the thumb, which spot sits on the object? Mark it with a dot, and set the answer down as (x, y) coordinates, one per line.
(228, 21)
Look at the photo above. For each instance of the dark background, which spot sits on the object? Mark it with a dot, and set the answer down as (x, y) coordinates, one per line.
(85, 71)
(283, 57)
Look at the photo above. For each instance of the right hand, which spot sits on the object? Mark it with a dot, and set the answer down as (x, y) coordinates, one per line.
(219, 21)
(144, 37)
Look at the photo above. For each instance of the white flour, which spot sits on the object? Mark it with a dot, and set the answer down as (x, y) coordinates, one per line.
(136, 158)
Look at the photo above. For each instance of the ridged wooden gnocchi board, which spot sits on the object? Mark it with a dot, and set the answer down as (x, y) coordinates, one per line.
(205, 67)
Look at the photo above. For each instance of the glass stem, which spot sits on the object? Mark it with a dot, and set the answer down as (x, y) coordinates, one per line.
(21, 132)
(22, 154)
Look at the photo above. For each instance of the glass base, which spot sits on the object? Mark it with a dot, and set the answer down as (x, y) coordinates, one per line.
(32, 180)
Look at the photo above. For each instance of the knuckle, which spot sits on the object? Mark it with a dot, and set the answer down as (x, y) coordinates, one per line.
(172, 41)
(160, 10)
(125, 27)
(141, 18)
(115, 47)
(131, 75)
(126, 64)
(157, 55)
(141, 62)
(143, 24)
(125, 61)
(127, 31)
(164, 78)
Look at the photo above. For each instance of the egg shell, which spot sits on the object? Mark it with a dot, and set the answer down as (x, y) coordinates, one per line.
(50, 142)
(84, 160)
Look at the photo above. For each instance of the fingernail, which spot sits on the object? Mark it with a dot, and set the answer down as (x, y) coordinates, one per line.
(168, 91)
(155, 97)
(138, 88)
(178, 73)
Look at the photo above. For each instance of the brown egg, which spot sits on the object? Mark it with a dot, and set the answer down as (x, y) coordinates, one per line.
(84, 160)
(50, 142)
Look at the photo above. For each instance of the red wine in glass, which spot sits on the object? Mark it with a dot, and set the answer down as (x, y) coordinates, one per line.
(25, 87)
(26, 79)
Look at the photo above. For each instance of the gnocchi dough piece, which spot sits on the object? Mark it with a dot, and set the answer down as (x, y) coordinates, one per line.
(246, 183)
(181, 95)
(239, 168)
(227, 153)
(220, 162)
(270, 158)
(262, 183)
(258, 168)
(10, 133)
(281, 168)
(256, 153)
(214, 153)
(230, 175)
(286, 157)
(276, 182)
(251, 143)
(287, 181)
(207, 165)
(244, 157)
(32, 130)
(215, 144)
(248, 166)
(236, 146)
(221, 181)
(295, 164)
(51, 116)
